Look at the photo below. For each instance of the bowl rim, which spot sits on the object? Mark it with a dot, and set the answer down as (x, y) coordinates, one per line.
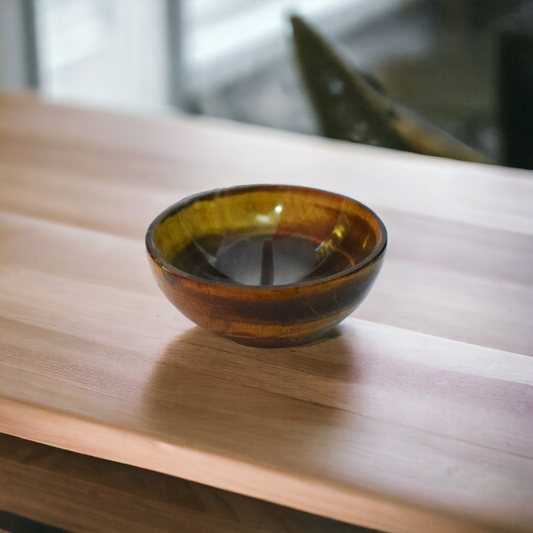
(188, 200)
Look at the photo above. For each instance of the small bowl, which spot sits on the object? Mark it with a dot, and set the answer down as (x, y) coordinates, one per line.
(266, 265)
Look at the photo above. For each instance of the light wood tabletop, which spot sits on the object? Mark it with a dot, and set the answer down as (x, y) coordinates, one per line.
(414, 415)
(83, 494)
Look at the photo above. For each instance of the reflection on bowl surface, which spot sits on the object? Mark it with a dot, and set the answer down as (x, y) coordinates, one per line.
(264, 259)
(266, 265)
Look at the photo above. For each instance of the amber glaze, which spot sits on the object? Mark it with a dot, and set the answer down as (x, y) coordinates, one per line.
(187, 255)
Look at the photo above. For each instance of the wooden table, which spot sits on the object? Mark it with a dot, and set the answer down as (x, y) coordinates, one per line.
(415, 415)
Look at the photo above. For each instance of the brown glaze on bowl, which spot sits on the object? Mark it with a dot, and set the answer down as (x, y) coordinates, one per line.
(266, 265)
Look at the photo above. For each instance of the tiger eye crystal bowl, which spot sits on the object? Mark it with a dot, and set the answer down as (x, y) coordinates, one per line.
(266, 265)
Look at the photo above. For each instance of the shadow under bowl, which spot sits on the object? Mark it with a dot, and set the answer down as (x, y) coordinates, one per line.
(266, 265)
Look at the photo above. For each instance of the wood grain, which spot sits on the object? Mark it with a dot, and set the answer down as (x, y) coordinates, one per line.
(414, 415)
(84, 494)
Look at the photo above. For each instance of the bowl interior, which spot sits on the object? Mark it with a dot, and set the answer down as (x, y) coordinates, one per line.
(266, 235)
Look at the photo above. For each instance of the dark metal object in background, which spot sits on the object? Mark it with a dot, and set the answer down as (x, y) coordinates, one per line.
(470, 16)
(516, 88)
(176, 79)
(349, 107)
(19, 66)
(30, 38)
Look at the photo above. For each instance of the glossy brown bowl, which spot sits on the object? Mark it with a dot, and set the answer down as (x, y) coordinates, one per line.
(266, 265)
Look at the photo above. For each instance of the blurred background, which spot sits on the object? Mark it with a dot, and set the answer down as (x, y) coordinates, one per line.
(233, 59)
